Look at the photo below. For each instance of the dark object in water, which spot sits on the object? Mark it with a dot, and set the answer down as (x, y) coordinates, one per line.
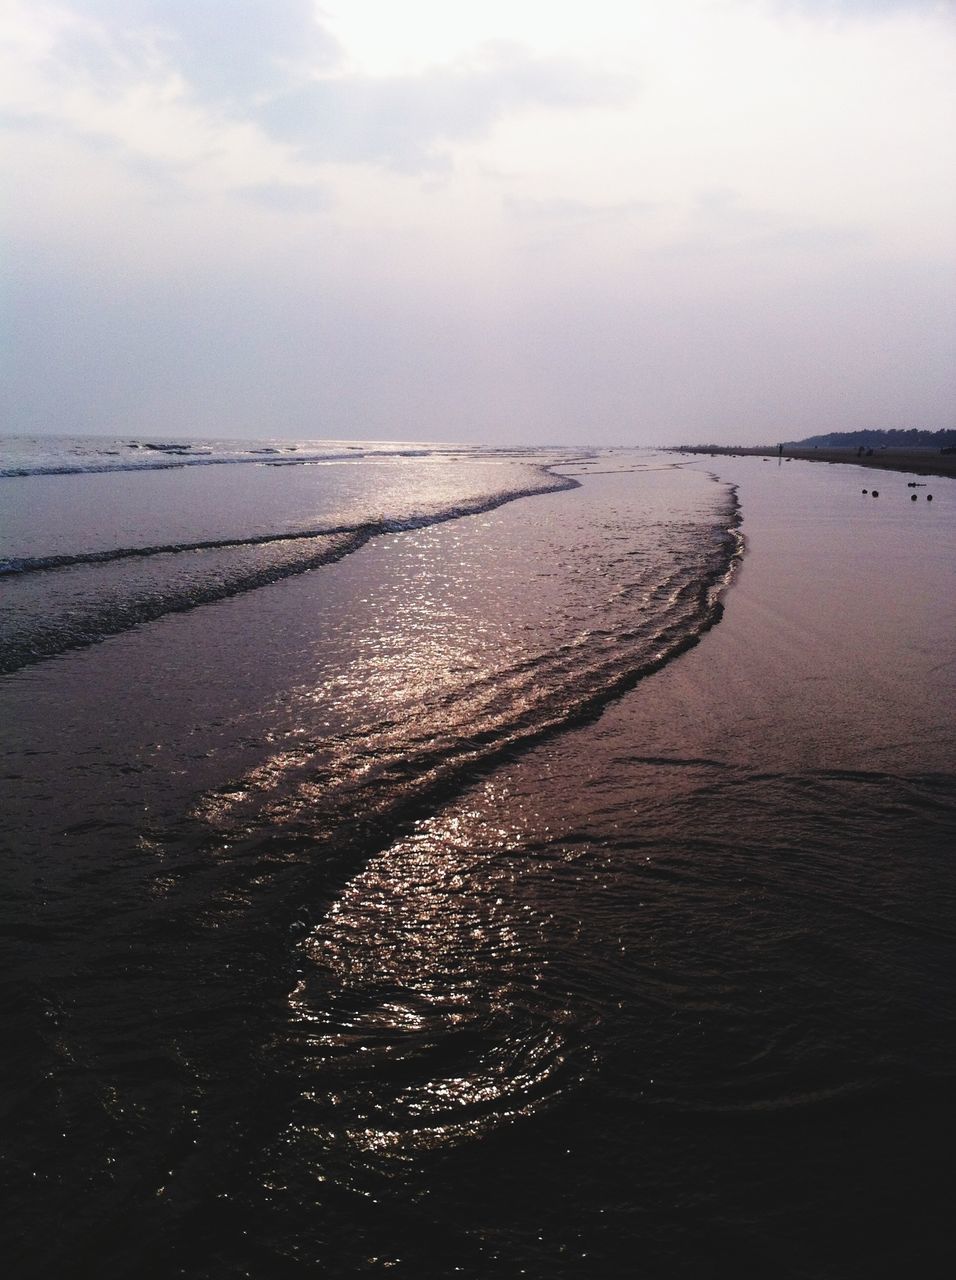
(929, 497)
(913, 497)
(876, 493)
(866, 491)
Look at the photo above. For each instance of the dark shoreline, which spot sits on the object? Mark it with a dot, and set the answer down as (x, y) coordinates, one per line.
(920, 462)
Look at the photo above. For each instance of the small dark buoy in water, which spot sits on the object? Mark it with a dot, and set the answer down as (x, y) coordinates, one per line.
(912, 497)
(866, 491)
(876, 493)
(929, 497)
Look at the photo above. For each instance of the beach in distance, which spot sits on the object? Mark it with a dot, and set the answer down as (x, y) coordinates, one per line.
(427, 860)
(921, 462)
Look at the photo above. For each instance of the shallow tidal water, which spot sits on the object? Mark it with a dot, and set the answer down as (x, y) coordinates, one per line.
(529, 886)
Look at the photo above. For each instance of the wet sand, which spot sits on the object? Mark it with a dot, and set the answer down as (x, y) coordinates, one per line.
(920, 462)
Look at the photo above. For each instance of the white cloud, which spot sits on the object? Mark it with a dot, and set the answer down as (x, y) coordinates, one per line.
(225, 50)
(169, 73)
(405, 121)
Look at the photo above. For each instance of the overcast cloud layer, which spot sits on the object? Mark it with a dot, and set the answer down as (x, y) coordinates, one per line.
(726, 220)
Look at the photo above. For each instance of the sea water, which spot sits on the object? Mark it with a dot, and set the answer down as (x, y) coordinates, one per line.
(426, 860)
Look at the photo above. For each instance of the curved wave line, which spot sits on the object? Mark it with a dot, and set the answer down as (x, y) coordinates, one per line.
(111, 619)
(365, 528)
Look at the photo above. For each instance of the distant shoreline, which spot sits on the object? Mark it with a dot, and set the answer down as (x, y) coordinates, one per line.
(921, 462)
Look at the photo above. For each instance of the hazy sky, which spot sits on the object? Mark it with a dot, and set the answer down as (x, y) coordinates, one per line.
(516, 220)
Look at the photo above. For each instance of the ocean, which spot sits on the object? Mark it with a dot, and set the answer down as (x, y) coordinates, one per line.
(431, 860)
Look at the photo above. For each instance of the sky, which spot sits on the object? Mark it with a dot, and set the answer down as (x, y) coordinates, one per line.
(520, 221)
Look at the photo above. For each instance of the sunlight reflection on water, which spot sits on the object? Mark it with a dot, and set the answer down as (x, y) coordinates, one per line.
(424, 976)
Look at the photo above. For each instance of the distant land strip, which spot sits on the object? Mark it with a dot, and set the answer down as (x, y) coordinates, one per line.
(936, 457)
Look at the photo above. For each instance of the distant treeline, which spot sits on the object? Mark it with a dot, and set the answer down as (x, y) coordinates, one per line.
(894, 439)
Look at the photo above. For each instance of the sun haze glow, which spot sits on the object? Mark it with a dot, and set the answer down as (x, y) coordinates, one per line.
(705, 219)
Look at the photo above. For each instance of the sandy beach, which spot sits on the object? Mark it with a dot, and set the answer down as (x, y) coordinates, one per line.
(919, 462)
